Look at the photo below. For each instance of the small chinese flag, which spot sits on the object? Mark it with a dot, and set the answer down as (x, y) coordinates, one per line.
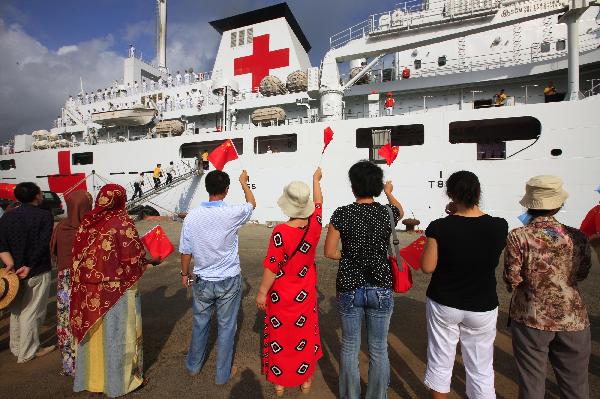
(412, 253)
(591, 223)
(327, 137)
(222, 154)
(158, 243)
(389, 153)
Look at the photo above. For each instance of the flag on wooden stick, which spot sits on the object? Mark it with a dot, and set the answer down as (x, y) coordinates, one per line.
(327, 137)
(158, 243)
(222, 154)
(389, 153)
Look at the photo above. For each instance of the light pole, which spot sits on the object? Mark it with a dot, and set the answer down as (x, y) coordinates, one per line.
(526, 87)
(424, 102)
(473, 97)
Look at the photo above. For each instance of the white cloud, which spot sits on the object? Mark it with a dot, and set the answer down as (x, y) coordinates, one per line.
(36, 81)
(67, 49)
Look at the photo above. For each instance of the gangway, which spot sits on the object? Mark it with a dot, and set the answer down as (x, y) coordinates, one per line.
(152, 193)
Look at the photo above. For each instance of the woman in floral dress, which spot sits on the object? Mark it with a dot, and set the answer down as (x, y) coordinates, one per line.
(61, 246)
(288, 291)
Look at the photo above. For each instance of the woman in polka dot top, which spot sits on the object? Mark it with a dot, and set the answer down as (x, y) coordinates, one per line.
(364, 279)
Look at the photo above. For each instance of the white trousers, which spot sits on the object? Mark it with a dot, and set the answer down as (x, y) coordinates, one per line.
(27, 314)
(476, 332)
(389, 111)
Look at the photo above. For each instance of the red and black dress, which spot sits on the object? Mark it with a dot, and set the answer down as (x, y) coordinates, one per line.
(292, 343)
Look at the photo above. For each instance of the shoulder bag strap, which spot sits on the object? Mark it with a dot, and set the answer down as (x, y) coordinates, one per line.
(301, 240)
(394, 247)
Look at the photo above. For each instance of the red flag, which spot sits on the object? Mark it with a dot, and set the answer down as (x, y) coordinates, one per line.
(412, 253)
(158, 243)
(389, 153)
(327, 137)
(7, 191)
(222, 154)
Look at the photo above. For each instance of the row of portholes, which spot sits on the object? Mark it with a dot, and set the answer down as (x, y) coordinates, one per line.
(441, 62)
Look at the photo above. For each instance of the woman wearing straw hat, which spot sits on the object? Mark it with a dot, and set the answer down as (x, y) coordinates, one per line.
(288, 290)
(544, 260)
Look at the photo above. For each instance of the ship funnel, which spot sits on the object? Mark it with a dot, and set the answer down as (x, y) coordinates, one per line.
(161, 34)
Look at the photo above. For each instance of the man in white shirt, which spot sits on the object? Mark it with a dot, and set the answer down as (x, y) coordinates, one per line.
(169, 81)
(210, 235)
(169, 171)
(137, 186)
(178, 78)
(186, 78)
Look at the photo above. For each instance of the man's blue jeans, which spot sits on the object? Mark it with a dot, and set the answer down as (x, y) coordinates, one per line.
(377, 304)
(224, 296)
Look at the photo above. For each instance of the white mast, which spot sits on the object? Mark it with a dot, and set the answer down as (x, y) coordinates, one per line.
(161, 39)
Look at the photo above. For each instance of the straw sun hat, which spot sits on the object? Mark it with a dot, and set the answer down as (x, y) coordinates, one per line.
(9, 285)
(295, 201)
(544, 193)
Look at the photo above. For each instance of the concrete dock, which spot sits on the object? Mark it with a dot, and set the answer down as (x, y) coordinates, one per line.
(166, 315)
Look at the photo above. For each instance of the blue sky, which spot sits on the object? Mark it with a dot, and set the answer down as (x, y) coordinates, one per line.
(47, 45)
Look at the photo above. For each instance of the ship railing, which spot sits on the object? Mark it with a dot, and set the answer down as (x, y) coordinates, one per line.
(354, 32)
(483, 62)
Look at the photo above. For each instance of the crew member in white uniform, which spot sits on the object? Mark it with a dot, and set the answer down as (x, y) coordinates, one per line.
(169, 81)
(169, 170)
(144, 85)
(178, 79)
(160, 82)
(186, 78)
(131, 51)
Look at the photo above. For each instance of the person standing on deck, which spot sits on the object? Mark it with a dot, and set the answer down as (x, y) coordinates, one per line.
(389, 105)
(216, 278)
(156, 175)
(205, 163)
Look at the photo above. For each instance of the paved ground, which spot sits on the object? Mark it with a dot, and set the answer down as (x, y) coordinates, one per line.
(167, 323)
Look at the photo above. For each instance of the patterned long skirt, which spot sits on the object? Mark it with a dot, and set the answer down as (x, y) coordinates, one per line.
(110, 358)
(63, 325)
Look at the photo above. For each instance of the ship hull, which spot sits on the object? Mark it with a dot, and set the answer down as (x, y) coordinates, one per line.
(418, 173)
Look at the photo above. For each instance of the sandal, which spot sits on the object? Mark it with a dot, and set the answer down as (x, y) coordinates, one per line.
(279, 391)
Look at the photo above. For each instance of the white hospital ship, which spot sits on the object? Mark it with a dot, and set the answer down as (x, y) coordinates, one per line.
(442, 60)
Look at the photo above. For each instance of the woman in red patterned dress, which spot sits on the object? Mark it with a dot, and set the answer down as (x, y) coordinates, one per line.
(288, 291)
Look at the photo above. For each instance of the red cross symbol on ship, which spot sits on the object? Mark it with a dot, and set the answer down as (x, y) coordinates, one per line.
(65, 181)
(261, 61)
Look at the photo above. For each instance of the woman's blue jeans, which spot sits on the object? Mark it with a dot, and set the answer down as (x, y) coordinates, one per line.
(377, 304)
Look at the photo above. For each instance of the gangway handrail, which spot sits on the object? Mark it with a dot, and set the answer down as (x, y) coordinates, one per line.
(150, 194)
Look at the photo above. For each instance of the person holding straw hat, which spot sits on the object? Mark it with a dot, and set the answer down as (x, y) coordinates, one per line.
(288, 290)
(9, 286)
(544, 261)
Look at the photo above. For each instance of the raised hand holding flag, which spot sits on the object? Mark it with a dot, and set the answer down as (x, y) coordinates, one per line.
(222, 154)
(389, 153)
(158, 243)
(412, 253)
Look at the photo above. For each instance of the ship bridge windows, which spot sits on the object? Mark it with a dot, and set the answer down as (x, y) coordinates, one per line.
(191, 150)
(442, 60)
(545, 47)
(8, 164)
(561, 45)
(82, 158)
(376, 137)
(274, 144)
(491, 135)
(417, 64)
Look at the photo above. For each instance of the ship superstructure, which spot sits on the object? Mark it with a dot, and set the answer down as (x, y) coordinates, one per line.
(442, 61)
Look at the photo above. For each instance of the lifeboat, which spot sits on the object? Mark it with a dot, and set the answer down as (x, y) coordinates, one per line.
(136, 116)
(267, 115)
(172, 127)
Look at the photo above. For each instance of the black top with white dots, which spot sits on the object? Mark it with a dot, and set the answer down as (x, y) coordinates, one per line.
(365, 232)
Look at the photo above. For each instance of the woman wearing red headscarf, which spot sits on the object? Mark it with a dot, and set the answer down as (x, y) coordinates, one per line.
(108, 261)
(61, 247)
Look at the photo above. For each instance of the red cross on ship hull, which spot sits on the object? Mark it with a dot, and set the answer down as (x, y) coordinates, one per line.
(261, 61)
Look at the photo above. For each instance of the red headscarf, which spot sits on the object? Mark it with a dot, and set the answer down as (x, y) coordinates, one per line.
(108, 259)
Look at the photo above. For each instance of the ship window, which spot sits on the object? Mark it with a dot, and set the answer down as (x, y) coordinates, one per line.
(233, 39)
(417, 64)
(83, 158)
(561, 45)
(7, 164)
(491, 135)
(442, 60)
(249, 35)
(241, 37)
(556, 152)
(545, 47)
(376, 137)
(279, 143)
(191, 150)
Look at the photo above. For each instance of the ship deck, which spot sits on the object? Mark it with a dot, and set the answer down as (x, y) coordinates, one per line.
(167, 318)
